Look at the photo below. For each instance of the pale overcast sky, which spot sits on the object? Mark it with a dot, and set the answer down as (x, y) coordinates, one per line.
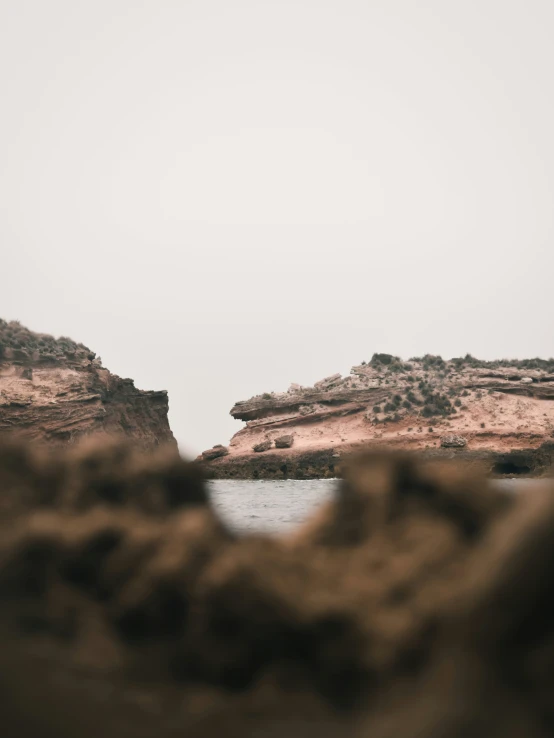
(221, 198)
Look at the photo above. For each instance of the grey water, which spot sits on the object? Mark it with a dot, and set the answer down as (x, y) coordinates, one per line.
(277, 506)
(269, 506)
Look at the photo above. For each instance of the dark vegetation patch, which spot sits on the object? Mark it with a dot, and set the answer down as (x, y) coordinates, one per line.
(13, 335)
(511, 468)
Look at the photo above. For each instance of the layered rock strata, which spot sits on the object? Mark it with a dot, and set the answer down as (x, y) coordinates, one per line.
(57, 391)
(501, 413)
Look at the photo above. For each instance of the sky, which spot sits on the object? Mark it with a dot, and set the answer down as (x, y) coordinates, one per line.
(223, 197)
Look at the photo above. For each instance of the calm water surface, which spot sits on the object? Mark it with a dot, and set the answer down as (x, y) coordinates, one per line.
(277, 506)
(269, 506)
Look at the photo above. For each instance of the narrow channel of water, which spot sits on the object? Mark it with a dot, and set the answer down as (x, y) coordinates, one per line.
(277, 506)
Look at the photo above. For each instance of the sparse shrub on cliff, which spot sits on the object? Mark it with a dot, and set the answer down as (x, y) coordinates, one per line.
(378, 359)
(14, 335)
(376, 408)
(465, 393)
(397, 399)
(545, 364)
(458, 403)
(407, 404)
(389, 407)
(266, 396)
(437, 405)
(429, 360)
(471, 361)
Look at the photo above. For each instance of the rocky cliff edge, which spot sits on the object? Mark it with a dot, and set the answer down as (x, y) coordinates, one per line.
(500, 413)
(56, 391)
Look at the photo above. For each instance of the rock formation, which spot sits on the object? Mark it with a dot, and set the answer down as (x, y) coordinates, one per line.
(451, 441)
(417, 603)
(504, 411)
(262, 446)
(284, 441)
(56, 391)
(214, 453)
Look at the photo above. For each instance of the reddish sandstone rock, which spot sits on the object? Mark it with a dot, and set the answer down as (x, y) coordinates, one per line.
(56, 391)
(390, 403)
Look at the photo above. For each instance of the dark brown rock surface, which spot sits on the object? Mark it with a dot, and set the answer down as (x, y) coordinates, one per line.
(418, 602)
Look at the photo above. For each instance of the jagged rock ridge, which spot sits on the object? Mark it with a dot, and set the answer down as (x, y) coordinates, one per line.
(56, 391)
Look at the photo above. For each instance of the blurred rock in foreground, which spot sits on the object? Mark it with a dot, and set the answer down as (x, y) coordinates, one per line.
(418, 603)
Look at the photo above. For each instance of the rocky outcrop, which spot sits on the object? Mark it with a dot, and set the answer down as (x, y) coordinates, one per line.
(264, 445)
(284, 441)
(496, 407)
(417, 603)
(452, 441)
(57, 391)
(329, 463)
(214, 453)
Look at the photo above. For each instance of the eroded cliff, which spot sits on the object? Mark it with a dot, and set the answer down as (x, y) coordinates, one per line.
(500, 413)
(56, 391)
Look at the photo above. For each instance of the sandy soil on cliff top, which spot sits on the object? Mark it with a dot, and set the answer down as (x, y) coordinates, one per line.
(510, 422)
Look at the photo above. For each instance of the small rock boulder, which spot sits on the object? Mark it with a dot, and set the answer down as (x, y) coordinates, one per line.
(526, 380)
(214, 453)
(263, 446)
(284, 441)
(453, 441)
(328, 381)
